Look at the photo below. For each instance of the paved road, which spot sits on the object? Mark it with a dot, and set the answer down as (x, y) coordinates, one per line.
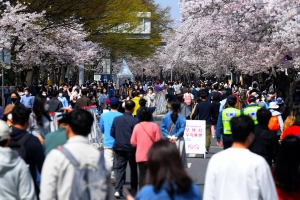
(196, 166)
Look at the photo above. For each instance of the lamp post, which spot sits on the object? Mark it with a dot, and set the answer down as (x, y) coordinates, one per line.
(2, 76)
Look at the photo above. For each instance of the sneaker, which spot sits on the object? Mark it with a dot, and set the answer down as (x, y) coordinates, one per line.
(119, 196)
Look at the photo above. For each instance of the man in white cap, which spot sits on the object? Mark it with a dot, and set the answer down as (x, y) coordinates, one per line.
(15, 181)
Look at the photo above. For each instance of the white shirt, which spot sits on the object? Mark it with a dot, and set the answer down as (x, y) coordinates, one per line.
(238, 174)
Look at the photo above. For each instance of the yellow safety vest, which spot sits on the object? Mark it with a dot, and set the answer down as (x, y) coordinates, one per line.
(251, 112)
(227, 114)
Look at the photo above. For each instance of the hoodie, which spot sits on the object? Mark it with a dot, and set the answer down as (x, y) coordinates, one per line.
(15, 182)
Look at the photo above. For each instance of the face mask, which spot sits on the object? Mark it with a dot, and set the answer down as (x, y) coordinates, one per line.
(135, 87)
(46, 107)
(94, 88)
(60, 95)
(14, 99)
(44, 95)
(141, 96)
(75, 93)
(26, 93)
(9, 116)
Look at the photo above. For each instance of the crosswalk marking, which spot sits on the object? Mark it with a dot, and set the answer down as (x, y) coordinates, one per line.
(192, 155)
(189, 165)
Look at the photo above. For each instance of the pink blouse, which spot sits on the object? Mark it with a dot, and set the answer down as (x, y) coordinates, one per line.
(141, 140)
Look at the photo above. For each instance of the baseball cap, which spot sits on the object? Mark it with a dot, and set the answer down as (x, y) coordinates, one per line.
(252, 98)
(114, 101)
(4, 130)
(231, 98)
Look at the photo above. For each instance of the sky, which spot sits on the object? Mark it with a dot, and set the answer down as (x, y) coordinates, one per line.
(175, 9)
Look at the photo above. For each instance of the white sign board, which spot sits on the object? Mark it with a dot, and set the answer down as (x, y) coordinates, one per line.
(195, 137)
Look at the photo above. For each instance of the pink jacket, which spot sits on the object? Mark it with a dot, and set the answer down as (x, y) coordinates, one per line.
(142, 141)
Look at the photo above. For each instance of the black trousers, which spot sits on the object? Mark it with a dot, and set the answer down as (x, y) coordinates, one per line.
(142, 174)
(227, 141)
(122, 158)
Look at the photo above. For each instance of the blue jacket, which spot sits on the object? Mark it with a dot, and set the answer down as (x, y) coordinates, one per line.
(179, 126)
(27, 101)
(106, 121)
(64, 101)
(148, 193)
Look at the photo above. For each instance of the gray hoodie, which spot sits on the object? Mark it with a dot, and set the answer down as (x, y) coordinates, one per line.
(15, 182)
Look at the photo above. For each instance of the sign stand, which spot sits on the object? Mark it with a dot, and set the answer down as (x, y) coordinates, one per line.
(195, 137)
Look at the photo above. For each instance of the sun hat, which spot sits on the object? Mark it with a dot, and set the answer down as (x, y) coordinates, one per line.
(279, 101)
(273, 105)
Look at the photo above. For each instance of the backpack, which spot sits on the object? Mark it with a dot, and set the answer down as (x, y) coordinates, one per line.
(274, 124)
(19, 145)
(188, 99)
(89, 183)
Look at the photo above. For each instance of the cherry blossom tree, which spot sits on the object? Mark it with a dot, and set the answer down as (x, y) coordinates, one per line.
(252, 35)
(32, 45)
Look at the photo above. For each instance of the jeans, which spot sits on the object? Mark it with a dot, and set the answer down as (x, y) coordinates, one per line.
(142, 174)
(122, 159)
(109, 157)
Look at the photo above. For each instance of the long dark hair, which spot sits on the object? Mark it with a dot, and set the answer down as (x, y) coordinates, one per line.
(175, 105)
(164, 164)
(287, 171)
(39, 109)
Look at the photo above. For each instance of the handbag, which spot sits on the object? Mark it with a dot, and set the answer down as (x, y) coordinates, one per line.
(147, 133)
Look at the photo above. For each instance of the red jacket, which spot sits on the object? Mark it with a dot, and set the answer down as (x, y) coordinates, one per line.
(293, 130)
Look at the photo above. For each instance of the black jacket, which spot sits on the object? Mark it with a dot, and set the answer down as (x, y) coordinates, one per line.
(216, 106)
(264, 143)
(121, 130)
(204, 111)
(55, 105)
(34, 151)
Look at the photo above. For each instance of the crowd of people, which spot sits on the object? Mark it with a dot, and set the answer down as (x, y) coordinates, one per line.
(258, 132)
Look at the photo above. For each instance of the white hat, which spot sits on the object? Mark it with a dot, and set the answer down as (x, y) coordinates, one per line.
(273, 105)
(4, 131)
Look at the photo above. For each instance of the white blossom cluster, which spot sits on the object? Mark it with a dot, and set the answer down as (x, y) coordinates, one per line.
(251, 35)
(33, 42)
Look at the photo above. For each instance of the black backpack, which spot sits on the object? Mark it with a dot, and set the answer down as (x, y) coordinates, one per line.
(19, 146)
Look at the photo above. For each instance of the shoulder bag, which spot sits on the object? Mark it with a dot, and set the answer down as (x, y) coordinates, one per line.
(147, 133)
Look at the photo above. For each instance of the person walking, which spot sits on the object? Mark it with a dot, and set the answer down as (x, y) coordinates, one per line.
(58, 137)
(237, 173)
(251, 109)
(223, 124)
(173, 127)
(264, 142)
(66, 169)
(143, 136)
(286, 171)
(167, 177)
(16, 181)
(106, 121)
(62, 99)
(121, 131)
(27, 99)
(32, 153)
(136, 99)
(84, 100)
(40, 119)
(205, 111)
(150, 97)
(55, 105)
